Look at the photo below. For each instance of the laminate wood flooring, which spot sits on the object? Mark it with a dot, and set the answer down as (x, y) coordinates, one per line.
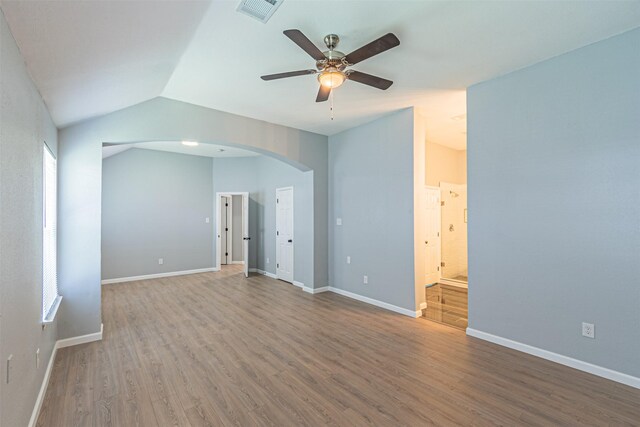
(217, 349)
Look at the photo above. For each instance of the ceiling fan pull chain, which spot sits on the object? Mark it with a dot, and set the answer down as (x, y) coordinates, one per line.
(331, 103)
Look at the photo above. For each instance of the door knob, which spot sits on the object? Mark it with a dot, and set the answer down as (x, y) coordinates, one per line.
(426, 242)
(247, 238)
(290, 241)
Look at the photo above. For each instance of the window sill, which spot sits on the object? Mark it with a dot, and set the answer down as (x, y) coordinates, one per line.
(50, 317)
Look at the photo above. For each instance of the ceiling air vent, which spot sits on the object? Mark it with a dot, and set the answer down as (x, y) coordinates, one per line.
(259, 9)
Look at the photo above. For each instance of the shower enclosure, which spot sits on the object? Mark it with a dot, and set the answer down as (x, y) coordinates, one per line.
(454, 232)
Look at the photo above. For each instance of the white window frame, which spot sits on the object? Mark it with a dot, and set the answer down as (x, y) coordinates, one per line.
(50, 297)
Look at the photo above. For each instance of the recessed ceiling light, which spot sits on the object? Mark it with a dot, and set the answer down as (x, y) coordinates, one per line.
(190, 143)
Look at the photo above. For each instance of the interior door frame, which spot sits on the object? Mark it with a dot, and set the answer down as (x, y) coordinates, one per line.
(293, 232)
(245, 213)
(439, 256)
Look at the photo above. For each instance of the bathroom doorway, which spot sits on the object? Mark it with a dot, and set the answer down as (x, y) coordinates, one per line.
(446, 287)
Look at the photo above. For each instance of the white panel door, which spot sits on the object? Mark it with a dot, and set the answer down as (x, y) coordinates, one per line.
(284, 234)
(432, 236)
(245, 230)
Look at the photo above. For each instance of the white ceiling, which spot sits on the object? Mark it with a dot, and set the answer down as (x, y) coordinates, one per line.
(92, 57)
(202, 149)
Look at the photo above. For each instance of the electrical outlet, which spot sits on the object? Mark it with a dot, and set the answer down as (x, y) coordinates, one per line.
(267, 260)
(366, 280)
(206, 220)
(160, 261)
(348, 260)
(37, 358)
(588, 330)
(338, 221)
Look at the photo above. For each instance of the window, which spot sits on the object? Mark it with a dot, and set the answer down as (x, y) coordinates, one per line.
(50, 297)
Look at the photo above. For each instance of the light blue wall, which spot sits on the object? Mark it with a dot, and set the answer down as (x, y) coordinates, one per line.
(25, 125)
(154, 205)
(371, 188)
(554, 203)
(159, 119)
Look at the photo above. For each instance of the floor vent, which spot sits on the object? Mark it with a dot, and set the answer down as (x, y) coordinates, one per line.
(259, 9)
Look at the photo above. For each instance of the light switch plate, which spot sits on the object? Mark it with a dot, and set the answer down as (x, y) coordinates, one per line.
(338, 221)
(160, 261)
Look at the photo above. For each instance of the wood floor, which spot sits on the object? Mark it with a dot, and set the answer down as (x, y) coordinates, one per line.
(218, 349)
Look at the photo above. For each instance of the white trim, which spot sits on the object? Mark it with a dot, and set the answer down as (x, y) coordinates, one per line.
(237, 262)
(375, 302)
(264, 273)
(158, 275)
(558, 358)
(298, 284)
(423, 305)
(82, 339)
(315, 290)
(68, 342)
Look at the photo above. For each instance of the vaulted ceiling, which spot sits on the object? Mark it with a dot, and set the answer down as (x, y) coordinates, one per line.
(92, 57)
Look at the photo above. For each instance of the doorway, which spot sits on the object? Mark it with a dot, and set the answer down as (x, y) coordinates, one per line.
(284, 234)
(445, 236)
(232, 230)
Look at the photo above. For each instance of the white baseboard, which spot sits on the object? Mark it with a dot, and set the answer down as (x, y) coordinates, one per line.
(68, 342)
(298, 284)
(158, 275)
(237, 262)
(423, 305)
(82, 339)
(315, 290)
(558, 358)
(375, 302)
(264, 273)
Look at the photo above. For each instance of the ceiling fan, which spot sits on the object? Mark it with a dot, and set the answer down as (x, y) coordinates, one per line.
(332, 64)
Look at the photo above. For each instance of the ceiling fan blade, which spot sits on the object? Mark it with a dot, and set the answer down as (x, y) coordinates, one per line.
(301, 40)
(370, 80)
(323, 93)
(380, 45)
(288, 74)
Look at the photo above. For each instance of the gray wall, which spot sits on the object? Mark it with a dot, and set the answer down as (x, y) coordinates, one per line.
(154, 205)
(554, 202)
(236, 216)
(371, 188)
(159, 119)
(25, 125)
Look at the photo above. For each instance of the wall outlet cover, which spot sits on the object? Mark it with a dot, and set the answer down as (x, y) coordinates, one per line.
(348, 260)
(338, 221)
(366, 280)
(160, 261)
(588, 330)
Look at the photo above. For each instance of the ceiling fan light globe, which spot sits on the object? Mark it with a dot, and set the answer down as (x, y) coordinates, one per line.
(331, 78)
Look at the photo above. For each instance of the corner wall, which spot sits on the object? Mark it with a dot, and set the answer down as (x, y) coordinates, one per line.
(25, 125)
(371, 188)
(554, 202)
